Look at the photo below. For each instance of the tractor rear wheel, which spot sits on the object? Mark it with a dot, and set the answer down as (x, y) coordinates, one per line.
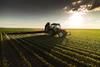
(51, 32)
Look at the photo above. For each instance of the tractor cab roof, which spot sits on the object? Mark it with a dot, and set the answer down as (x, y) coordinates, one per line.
(55, 24)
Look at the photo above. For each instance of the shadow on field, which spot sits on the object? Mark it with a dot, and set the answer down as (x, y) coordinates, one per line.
(44, 40)
(40, 44)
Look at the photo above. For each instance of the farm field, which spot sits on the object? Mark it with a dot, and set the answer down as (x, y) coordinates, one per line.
(37, 49)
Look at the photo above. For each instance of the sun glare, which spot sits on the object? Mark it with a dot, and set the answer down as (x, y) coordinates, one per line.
(75, 20)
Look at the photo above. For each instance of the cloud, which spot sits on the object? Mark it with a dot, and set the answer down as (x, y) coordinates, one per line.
(83, 6)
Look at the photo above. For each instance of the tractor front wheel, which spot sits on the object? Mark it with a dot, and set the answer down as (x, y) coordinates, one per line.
(60, 34)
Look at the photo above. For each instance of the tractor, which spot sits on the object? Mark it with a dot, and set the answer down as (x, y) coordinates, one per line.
(55, 30)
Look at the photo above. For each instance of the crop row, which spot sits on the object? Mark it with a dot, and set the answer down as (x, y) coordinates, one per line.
(71, 52)
(47, 56)
(84, 56)
(33, 50)
(58, 52)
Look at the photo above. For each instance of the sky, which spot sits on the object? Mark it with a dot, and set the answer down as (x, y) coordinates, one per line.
(36, 13)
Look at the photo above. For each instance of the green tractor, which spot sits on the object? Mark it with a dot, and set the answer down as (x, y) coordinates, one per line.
(55, 30)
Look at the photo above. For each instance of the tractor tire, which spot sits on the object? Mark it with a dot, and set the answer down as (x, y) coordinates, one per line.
(51, 32)
(60, 34)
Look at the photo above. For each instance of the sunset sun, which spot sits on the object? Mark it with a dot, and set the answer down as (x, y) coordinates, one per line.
(76, 19)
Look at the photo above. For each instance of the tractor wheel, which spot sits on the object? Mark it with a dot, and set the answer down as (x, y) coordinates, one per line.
(51, 32)
(60, 34)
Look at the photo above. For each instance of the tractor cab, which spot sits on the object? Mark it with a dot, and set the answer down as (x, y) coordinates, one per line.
(55, 26)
